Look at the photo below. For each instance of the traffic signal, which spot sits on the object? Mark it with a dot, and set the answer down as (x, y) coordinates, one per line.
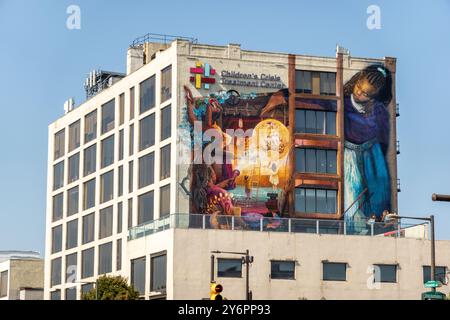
(216, 289)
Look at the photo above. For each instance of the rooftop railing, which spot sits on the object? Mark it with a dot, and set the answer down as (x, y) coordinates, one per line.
(288, 225)
(160, 38)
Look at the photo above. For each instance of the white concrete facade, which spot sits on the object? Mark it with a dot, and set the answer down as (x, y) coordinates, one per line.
(162, 60)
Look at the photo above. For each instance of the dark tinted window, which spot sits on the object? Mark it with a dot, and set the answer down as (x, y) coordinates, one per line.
(282, 269)
(87, 258)
(385, 273)
(440, 274)
(147, 94)
(158, 273)
(138, 274)
(145, 210)
(334, 271)
(108, 116)
(230, 268)
(147, 132)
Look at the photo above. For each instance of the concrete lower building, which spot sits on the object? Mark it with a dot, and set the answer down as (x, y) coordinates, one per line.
(21, 276)
(306, 260)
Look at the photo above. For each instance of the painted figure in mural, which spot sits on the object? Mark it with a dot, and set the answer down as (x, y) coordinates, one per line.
(207, 111)
(366, 96)
(210, 197)
(210, 182)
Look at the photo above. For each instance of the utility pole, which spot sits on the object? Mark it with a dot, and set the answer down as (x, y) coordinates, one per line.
(433, 244)
(212, 268)
(433, 252)
(443, 198)
(246, 259)
(440, 197)
(247, 275)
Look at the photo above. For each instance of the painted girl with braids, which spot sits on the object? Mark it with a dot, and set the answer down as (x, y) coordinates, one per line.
(366, 126)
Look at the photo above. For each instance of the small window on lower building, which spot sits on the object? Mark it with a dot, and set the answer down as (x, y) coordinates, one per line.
(439, 274)
(229, 268)
(158, 273)
(4, 284)
(333, 271)
(71, 293)
(385, 273)
(138, 274)
(282, 270)
(55, 295)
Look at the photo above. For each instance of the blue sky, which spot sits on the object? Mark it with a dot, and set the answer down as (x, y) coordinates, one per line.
(42, 63)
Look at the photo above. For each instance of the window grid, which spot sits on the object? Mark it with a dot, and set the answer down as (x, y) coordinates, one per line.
(315, 122)
(74, 135)
(315, 160)
(315, 200)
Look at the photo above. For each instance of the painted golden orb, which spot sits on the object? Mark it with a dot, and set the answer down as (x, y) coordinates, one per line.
(271, 138)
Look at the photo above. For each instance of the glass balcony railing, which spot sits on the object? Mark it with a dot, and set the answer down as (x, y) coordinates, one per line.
(276, 224)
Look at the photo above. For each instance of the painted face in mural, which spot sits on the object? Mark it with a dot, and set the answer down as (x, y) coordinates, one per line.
(364, 91)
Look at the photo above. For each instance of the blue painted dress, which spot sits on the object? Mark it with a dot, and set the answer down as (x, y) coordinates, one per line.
(366, 142)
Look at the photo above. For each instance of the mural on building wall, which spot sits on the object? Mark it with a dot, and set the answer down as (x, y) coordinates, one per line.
(239, 148)
(239, 144)
(367, 188)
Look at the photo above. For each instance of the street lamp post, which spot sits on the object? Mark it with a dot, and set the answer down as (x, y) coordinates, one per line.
(247, 260)
(440, 197)
(433, 242)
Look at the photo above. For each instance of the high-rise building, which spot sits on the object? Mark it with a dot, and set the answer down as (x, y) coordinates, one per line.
(195, 139)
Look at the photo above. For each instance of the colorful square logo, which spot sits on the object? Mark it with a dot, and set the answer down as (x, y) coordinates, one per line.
(202, 75)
